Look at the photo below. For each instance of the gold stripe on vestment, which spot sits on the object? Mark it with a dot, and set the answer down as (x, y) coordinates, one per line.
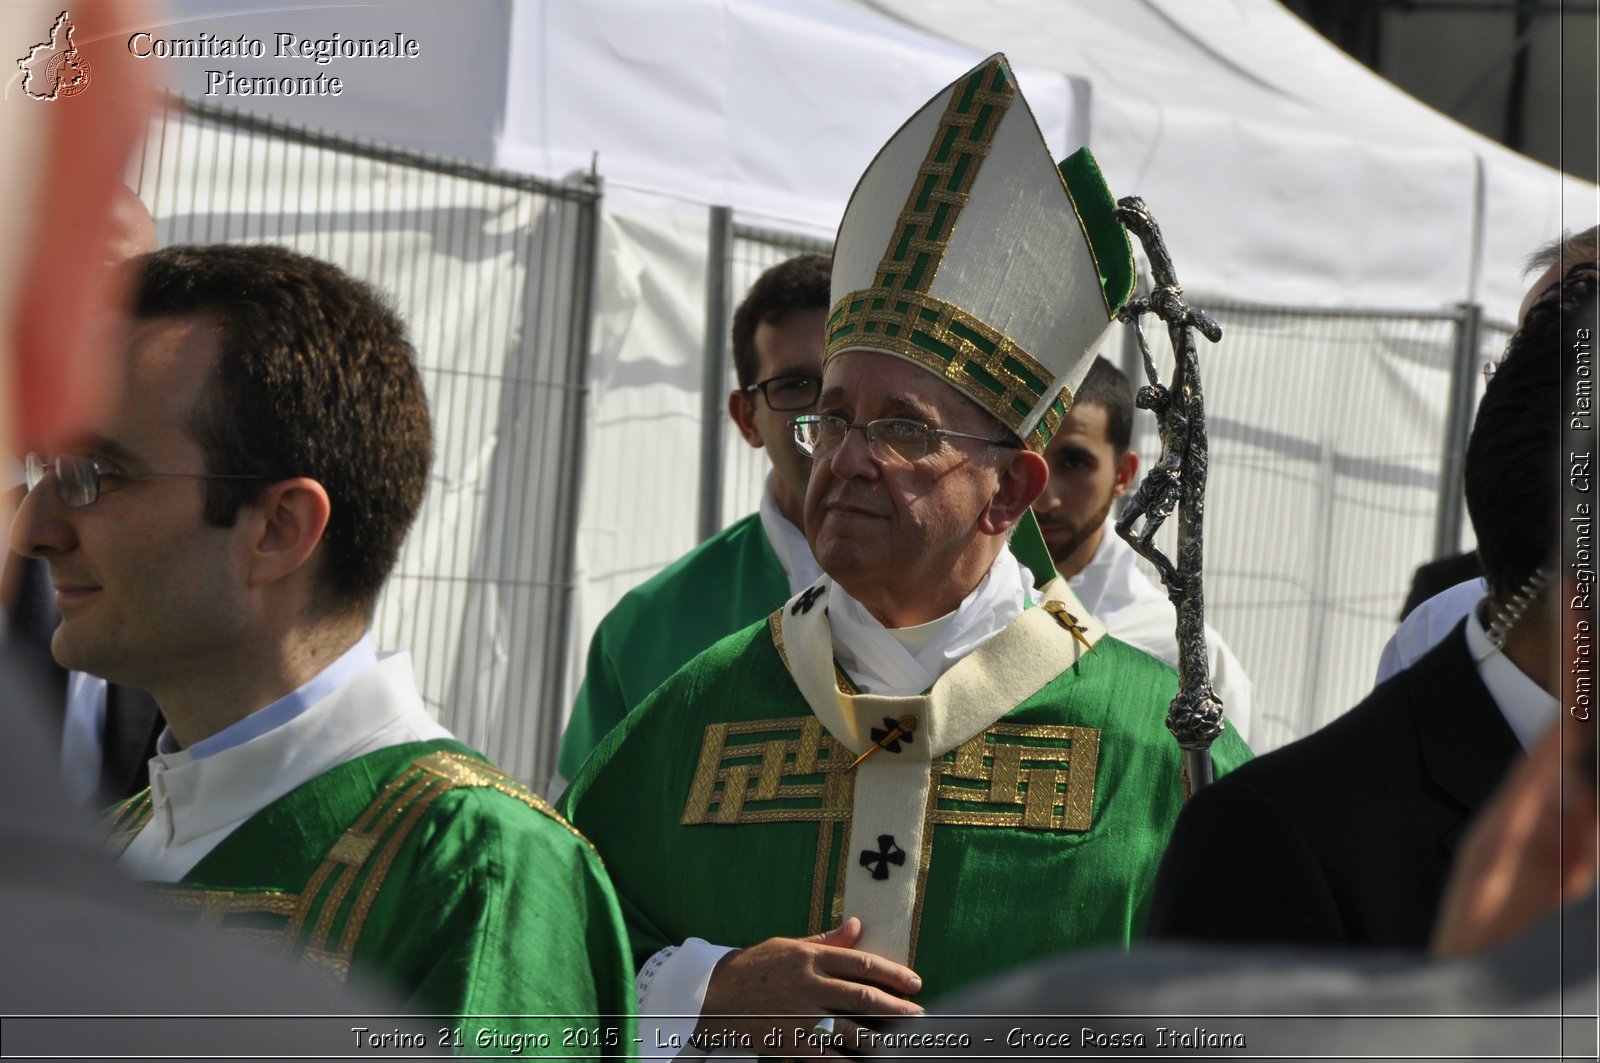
(364, 853)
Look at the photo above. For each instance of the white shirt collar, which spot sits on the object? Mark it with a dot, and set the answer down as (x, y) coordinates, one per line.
(1528, 707)
(358, 658)
(1111, 581)
(906, 661)
(198, 803)
(788, 542)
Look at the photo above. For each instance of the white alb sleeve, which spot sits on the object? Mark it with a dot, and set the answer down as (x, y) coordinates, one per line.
(671, 990)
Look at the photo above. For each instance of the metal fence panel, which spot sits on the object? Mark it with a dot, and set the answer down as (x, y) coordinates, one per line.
(492, 273)
(1328, 446)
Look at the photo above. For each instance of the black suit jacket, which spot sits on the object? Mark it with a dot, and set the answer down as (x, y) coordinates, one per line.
(1346, 836)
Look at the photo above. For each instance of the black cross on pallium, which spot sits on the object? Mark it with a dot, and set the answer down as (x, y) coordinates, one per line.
(804, 603)
(890, 725)
(887, 853)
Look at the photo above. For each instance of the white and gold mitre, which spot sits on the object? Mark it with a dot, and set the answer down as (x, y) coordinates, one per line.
(966, 250)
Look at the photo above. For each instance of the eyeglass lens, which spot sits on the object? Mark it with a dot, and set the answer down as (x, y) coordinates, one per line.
(821, 437)
(791, 392)
(77, 478)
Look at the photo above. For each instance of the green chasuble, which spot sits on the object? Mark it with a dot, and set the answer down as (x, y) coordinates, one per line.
(424, 869)
(726, 583)
(1021, 811)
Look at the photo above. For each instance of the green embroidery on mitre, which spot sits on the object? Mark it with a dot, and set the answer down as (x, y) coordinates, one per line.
(964, 250)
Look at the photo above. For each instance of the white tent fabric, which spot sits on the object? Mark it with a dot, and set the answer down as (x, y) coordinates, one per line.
(1301, 175)
(1295, 174)
(771, 107)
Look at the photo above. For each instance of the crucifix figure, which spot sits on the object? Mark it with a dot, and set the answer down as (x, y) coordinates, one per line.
(1176, 481)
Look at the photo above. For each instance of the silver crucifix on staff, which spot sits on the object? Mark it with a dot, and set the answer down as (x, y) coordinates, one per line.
(1177, 480)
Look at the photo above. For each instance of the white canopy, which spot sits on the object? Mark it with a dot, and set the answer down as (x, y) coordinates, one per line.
(1282, 170)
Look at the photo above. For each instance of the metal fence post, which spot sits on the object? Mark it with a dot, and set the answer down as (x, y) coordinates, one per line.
(570, 486)
(1458, 422)
(713, 382)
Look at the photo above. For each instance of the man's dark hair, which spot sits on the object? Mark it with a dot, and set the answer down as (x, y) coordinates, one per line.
(1514, 454)
(1107, 385)
(799, 283)
(314, 377)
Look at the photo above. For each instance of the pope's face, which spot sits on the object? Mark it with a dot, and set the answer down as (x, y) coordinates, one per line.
(903, 537)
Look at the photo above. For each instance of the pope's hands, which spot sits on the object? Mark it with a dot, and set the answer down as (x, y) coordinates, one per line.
(787, 983)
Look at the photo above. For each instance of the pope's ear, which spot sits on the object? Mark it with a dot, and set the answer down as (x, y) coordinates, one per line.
(287, 523)
(1022, 480)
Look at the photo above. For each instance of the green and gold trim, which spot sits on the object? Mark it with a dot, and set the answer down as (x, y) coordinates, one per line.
(944, 180)
(322, 923)
(123, 822)
(780, 771)
(983, 362)
(1038, 777)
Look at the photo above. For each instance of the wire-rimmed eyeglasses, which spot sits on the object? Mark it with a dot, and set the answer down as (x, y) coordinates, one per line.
(820, 435)
(78, 477)
(788, 391)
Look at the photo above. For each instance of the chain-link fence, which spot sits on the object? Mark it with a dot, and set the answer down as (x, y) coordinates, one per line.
(492, 272)
(1335, 444)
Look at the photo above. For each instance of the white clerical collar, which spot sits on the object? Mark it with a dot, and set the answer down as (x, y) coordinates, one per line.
(788, 542)
(358, 658)
(1528, 707)
(907, 661)
(197, 803)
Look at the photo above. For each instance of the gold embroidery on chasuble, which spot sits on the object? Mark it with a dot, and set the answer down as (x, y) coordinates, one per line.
(1035, 777)
(121, 828)
(338, 897)
(785, 770)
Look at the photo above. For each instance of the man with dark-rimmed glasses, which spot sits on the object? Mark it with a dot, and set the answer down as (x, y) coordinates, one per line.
(219, 536)
(746, 570)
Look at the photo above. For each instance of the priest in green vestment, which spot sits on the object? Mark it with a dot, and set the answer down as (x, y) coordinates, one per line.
(217, 536)
(922, 769)
(748, 569)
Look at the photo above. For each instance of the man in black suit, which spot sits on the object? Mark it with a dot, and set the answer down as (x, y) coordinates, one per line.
(1346, 836)
(1512, 970)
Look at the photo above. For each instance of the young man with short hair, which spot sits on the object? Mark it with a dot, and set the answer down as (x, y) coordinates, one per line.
(219, 537)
